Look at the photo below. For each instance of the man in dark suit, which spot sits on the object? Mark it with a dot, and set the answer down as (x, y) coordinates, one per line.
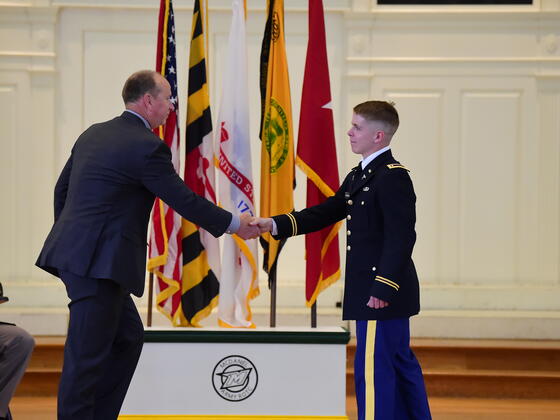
(381, 288)
(97, 245)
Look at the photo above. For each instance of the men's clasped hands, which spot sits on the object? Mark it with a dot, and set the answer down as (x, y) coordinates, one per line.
(252, 227)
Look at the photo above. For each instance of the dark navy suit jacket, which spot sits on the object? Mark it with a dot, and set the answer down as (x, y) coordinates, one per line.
(379, 206)
(103, 199)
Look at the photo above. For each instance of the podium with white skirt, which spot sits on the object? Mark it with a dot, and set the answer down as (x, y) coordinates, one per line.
(231, 374)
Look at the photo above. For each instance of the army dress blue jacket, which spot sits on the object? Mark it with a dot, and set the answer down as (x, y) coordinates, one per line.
(378, 203)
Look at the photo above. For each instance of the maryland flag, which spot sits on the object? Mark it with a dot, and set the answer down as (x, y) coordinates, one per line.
(277, 149)
(238, 283)
(165, 250)
(316, 132)
(201, 253)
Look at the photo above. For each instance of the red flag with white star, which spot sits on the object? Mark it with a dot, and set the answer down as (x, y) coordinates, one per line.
(316, 156)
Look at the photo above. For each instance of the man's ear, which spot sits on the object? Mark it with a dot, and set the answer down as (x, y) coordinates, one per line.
(379, 136)
(147, 100)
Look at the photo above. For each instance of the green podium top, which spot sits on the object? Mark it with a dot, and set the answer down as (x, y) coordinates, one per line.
(332, 335)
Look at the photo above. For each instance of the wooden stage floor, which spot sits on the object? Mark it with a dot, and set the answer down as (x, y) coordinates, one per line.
(44, 408)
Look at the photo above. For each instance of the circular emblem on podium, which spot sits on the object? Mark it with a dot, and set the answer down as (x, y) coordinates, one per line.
(235, 378)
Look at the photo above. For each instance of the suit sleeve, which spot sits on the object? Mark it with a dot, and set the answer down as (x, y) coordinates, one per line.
(160, 178)
(397, 202)
(312, 218)
(61, 188)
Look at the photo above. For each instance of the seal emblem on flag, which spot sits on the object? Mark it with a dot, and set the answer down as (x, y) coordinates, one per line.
(235, 378)
(277, 135)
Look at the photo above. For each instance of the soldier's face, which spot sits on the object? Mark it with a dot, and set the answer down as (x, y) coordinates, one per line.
(364, 135)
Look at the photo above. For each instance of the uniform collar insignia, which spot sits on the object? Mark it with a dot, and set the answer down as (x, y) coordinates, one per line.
(369, 171)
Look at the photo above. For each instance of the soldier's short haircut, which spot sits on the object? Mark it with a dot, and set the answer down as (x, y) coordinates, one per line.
(138, 84)
(381, 111)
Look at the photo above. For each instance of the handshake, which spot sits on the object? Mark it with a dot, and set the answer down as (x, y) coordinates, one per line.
(253, 227)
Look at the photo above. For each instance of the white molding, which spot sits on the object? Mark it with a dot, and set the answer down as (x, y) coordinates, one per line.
(465, 21)
(290, 6)
(547, 77)
(15, 4)
(543, 67)
(453, 60)
(430, 9)
(27, 13)
(27, 54)
(35, 52)
(34, 63)
(455, 12)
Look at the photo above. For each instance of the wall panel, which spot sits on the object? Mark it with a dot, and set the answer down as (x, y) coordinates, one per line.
(489, 197)
(8, 175)
(548, 225)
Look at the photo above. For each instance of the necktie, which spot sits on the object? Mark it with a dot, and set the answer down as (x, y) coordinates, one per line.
(357, 174)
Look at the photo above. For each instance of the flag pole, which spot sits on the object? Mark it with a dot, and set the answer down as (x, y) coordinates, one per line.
(273, 299)
(314, 315)
(150, 298)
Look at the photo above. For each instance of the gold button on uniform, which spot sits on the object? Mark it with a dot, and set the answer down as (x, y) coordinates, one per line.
(348, 247)
(350, 202)
(373, 268)
(348, 217)
(362, 203)
(348, 232)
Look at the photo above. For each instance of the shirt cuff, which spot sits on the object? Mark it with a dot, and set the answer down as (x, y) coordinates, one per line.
(234, 224)
(274, 228)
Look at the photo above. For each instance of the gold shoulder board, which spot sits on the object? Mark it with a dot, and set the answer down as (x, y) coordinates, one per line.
(397, 165)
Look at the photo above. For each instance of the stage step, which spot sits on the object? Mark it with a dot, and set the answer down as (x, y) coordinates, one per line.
(483, 368)
(43, 372)
(452, 368)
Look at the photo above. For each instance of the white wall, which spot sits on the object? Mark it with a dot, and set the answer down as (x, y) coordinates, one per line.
(478, 91)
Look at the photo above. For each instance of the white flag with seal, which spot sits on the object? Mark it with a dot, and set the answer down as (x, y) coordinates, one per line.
(238, 281)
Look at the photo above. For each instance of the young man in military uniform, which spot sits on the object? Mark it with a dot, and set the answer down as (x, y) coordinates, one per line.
(381, 290)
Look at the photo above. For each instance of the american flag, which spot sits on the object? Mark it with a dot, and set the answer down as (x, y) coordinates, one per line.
(165, 251)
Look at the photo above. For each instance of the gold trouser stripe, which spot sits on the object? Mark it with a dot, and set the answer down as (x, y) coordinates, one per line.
(387, 282)
(369, 368)
(294, 223)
